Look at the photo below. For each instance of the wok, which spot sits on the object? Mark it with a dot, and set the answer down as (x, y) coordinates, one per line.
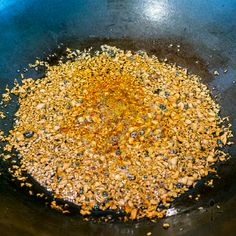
(206, 34)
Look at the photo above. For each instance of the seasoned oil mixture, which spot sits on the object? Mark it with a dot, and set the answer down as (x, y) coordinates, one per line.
(117, 130)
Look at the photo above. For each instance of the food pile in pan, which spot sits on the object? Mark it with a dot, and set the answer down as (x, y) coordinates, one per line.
(117, 130)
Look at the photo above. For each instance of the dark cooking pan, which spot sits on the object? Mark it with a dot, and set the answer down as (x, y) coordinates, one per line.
(206, 33)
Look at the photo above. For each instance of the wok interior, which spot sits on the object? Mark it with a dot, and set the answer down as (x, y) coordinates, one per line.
(207, 38)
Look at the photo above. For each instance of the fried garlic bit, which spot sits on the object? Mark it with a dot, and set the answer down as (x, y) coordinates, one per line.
(2, 115)
(117, 130)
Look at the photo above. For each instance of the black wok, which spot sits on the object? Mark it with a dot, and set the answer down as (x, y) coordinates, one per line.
(206, 33)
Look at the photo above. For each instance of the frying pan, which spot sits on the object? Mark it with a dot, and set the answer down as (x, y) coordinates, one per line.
(206, 34)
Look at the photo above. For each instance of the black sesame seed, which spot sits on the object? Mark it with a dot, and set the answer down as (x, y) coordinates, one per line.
(28, 134)
(133, 135)
(162, 106)
(96, 207)
(104, 194)
(59, 178)
(123, 167)
(219, 142)
(111, 53)
(118, 152)
(145, 176)
(81, 190)
(157, 91)
(167, 94)
(186, 106)
(179, 185)
(131, 177)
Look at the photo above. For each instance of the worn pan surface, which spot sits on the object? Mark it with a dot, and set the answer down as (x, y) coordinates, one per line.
(206, 33)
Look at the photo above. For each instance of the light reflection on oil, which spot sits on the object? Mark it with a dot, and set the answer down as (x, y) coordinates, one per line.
(157, 11)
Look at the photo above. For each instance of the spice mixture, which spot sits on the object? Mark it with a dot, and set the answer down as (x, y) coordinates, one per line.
(117, 130)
